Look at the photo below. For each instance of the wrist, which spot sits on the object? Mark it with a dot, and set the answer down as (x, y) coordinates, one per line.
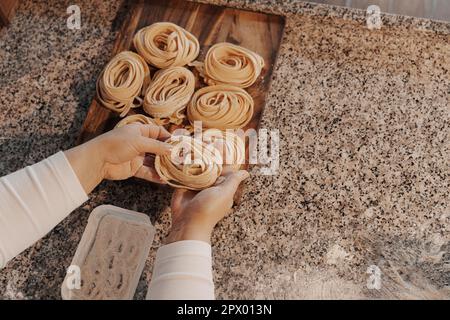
(189, 232)
(87, 165)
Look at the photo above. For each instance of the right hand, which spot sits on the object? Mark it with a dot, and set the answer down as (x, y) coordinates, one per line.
(195, 214)
(119, 154)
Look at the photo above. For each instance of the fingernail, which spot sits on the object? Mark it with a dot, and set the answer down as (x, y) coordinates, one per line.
(168, 148)
(244, 174)
(220, 180)
(161, 181)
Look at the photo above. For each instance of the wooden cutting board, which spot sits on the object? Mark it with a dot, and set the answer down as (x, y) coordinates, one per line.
(211, 24)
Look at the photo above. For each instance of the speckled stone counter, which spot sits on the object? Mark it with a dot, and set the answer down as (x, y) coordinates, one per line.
(364, 178)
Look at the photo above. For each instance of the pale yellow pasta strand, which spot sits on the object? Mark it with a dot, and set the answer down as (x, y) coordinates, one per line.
(193, 164)
(230, 146)
(227, 63)
(135, 118)
(122, 82)
(168, 94)
(165, 45)
(221, 107)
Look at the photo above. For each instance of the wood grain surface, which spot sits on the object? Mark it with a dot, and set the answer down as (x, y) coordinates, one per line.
(7, 8)
(211, 24)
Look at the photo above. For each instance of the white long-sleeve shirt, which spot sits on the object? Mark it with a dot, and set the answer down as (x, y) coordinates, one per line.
(35, 199)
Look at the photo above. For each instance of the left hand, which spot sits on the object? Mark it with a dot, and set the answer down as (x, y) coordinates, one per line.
(195, 214)
(118, 154)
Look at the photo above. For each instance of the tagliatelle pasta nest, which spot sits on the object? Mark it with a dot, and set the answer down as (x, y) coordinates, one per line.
(192, 165)
(221, 107)
(169, 97)
(230, 146)
(227, 63)
(122, 82)
(165, 45)
(135, 118)
(168, 94)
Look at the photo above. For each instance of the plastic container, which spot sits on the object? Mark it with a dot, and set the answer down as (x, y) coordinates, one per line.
(110, 256)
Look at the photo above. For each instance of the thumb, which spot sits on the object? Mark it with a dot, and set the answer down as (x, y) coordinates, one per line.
(179, 199)
(233, 180)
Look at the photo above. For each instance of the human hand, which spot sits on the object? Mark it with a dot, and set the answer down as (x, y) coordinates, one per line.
(194, 214)
(118, 154)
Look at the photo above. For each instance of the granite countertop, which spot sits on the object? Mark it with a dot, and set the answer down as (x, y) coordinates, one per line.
(364, 122)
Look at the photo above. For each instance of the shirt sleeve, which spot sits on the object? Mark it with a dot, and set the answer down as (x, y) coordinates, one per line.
(33, 201)
(182, 270)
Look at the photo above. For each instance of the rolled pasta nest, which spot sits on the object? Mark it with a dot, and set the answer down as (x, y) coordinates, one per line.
(221, 107)
(227, 63)
(165, 45)
(230, 146)
(122, 82)
(135, 118)
(192, 165)
(168, 94)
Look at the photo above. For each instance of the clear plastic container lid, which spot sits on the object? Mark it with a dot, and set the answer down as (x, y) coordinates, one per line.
(110, 256)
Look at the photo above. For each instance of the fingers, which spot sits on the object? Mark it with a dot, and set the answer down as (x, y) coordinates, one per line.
(149, 174)
(149, 145)
(228, 169)
(233, 180)
(154, 132)
(149, 142)
(219, 180)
